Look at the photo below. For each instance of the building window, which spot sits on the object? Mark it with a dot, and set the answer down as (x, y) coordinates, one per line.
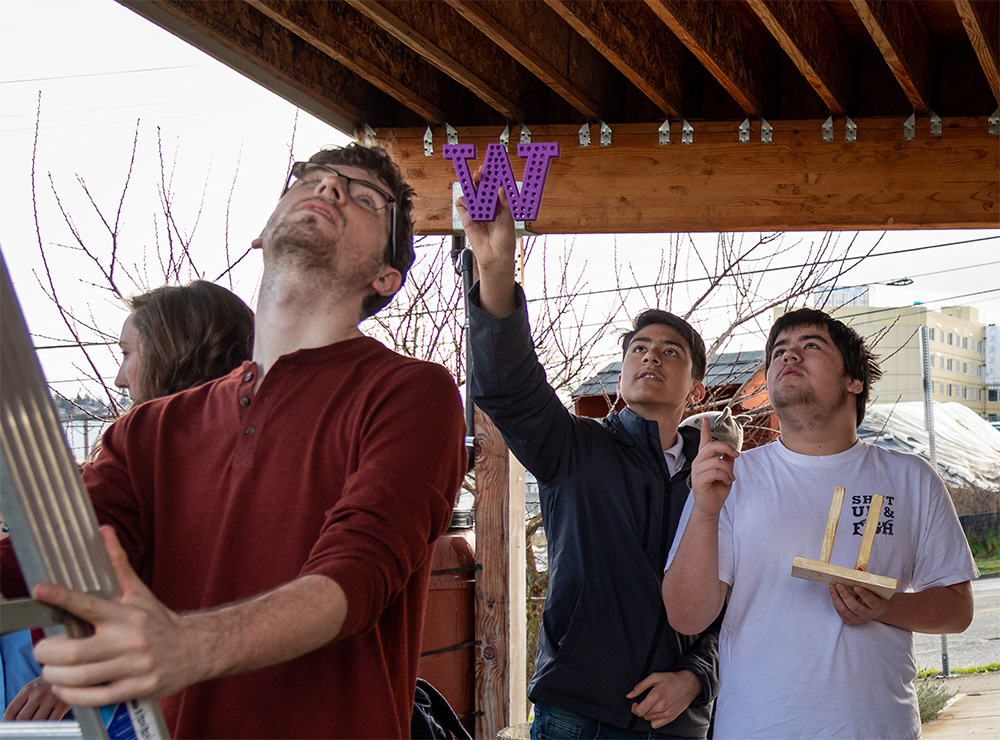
(965, 368)
(965, 393)
(949, 364)
(951, 338)
(992, 395)
(931, 333)
(940, 389)
(932, 361)
(965, 342)
(979, 394)
(979, 346)
(949, 390)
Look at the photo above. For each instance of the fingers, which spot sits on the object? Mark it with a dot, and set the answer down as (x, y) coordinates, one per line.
(706, 433)
(644, 684)
(129, 583)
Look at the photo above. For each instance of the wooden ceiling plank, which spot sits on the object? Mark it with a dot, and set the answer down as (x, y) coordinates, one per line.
(499, 20)
(312, 21)
(981, 19)
(254, 45)
(816, 43)
(796, 183)
(436, 54)
(626, 34)
(719, 38)
(905, 43)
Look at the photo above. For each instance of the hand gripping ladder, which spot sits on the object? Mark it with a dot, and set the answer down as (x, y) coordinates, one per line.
(52, 526)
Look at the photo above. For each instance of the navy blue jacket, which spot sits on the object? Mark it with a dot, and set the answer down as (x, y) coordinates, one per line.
(610, 511)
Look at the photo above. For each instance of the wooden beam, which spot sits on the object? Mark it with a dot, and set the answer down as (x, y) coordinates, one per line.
(981, 19)
(719, 37)
(356, 42)
(799, 182)
(256, 46)
(627, 35)
(500, 588)
(815, 41)
(437, 33)
(535, 37)
(905, 44)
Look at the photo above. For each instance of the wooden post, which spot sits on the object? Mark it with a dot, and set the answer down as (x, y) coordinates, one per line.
(500, 586)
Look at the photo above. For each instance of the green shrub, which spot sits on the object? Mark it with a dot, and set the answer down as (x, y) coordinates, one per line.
(931, 696)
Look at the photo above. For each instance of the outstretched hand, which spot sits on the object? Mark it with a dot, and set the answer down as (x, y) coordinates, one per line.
(712, 474)
(493, 242)
(138, 648)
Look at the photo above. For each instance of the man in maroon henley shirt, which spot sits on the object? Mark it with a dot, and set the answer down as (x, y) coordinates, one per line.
(272, 530)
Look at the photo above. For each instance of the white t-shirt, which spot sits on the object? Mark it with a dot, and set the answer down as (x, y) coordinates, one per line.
(789, 667)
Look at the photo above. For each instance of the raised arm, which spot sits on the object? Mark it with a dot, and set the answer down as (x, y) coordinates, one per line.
(494, 243)
(693, 595)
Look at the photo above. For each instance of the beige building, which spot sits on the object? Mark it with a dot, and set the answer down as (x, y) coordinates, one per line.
(963, 353)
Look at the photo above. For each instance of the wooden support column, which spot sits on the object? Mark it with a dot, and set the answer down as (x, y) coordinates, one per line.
(500, 587)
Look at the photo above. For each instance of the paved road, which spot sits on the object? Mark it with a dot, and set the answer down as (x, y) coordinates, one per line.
(979, 645)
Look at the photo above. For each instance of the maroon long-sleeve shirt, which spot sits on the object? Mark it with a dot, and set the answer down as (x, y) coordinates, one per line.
(345, 464)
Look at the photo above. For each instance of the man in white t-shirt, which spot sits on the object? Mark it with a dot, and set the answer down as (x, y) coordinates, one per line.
(798, 658)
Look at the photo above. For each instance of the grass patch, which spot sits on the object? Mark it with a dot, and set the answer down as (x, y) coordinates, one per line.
(988, 565)
(931, 696)
(933, 672)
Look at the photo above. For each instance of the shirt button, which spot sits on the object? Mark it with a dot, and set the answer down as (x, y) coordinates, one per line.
(248, 377)
(249, 431)
(244, 401)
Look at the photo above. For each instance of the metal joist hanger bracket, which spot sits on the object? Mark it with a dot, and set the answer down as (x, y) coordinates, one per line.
(664, 132)
(995, 123)
(505, 137)
(766, 132)
(525, 131)
(584, 134)
(935, 123)
(450, 133)
(605, 133)
(687, 132)
(828, 129)
(851, 133)
(744, 131)
(428, 142)
(910, 127)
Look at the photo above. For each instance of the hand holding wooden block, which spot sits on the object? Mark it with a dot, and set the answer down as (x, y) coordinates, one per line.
(822, 571)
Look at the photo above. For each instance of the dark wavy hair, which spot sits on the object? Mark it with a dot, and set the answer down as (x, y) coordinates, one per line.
(378, 161)
(694, 341)
(189, 335)
(859, 361)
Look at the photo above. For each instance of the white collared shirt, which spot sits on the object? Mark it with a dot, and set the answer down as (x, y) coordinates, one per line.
(674, 457)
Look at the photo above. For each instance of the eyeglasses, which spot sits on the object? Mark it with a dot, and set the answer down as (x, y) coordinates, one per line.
(362, 192)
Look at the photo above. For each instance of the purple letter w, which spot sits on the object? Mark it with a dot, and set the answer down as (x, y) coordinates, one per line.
(482, 205)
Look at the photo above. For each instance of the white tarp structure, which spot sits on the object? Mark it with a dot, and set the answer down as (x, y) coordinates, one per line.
(967, 447)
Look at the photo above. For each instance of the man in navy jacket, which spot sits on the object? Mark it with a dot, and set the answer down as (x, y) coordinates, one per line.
(608, 663)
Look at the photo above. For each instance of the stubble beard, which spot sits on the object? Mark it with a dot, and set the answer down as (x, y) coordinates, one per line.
(297, 245)
(801, 408)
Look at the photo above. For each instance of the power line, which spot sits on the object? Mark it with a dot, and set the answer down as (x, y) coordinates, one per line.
(99, 74)
(839, 260)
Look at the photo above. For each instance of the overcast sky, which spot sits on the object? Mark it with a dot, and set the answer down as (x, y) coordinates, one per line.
(100, 69)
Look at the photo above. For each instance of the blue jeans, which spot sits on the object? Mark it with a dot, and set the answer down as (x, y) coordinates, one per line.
(553, 723)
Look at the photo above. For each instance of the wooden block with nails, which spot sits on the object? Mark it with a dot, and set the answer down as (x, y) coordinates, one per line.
(822, 571)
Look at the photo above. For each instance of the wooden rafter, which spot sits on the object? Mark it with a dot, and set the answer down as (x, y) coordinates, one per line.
(490, 76)
(625, 35)
(905, 43)
(982, 23)
(348, 38)
(718, 36)
(532, 35)
(813, 38)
